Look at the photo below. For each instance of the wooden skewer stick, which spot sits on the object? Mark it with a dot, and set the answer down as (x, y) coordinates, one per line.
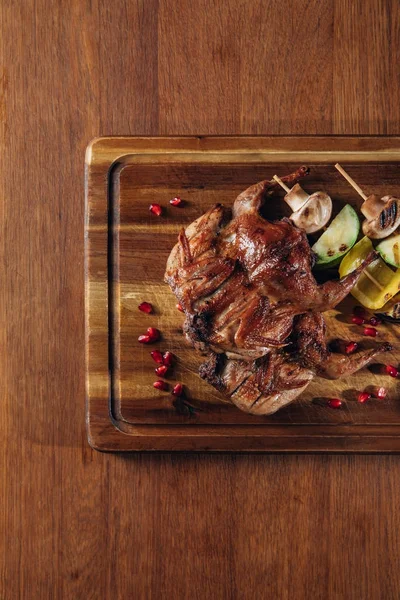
(374, 281)
(364, 197)
(283, 185)
(351, 181)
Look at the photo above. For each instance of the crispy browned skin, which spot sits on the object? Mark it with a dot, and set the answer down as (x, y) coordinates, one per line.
(253, 305)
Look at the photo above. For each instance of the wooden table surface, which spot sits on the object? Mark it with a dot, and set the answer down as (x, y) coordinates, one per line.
(77, 524)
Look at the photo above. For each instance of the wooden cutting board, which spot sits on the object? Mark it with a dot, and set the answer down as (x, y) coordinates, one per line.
(126, 251)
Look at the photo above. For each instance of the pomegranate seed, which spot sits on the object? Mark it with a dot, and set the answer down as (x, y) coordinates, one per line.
(351, 347)
(179, 307)
(359, 311)
(155, 209)
(176, 201)
(375, 321)
(146, 307)
(391, 370)
(370, 331)
(358, 320)
(157, 356)
(161, 370)
(363, 397)
(160, 385)
(380, 392)
(178, 390)
(153, 334)
(334, 403)
(168, 358)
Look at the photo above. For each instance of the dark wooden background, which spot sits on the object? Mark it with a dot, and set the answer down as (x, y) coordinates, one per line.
(77, 524)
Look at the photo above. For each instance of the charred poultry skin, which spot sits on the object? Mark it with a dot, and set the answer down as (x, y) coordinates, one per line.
(253, 306)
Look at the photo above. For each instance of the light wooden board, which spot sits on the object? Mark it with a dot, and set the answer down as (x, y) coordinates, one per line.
(126, 252)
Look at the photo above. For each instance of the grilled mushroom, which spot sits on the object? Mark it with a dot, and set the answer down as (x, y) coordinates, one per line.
(296, 197)
(314, 214)
(382, 216)
(310, 212)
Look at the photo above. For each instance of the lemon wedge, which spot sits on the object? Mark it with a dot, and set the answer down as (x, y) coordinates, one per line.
(378, 284)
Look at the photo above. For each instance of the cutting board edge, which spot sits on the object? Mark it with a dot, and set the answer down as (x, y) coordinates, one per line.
(104, 433)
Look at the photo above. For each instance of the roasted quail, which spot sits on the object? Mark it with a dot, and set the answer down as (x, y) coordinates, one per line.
(252, 304)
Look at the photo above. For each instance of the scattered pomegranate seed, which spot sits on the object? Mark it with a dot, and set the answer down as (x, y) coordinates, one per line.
(176, 201)
(370, 331)
(168, 358)
(157, 356)
(359, 311)
(179, 307)
(153, 334)
(391, 370)
(146, 307)
(155, 209)
(334, 403)
(375, 321)
(161, 370)
(379, 392)
(358, 320)
(363, 397)
(178, 389)
(160, 385)
(351, 347)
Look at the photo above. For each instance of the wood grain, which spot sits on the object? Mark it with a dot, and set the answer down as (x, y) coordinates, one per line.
(78, 524)
(363, 88)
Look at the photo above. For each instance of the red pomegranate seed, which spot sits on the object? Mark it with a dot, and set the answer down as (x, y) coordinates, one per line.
(370, 331)
(375, 321)
(351, 347)
(391, 370)
(358, 320)
(160, 385)
(179, 307)
(146, 307)
(144, 339)
(153, 334)
(363, 397)
(334, 403)
(168, 358)
(161, 370)
(157, 356)
(359, 311)
(380, 392)
(176, 201)
(155, 209)
(178, 389)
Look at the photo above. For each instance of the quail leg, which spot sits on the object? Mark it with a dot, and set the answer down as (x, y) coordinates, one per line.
(309, 335)
(252, 199)
(333, 292)
(340, 365)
